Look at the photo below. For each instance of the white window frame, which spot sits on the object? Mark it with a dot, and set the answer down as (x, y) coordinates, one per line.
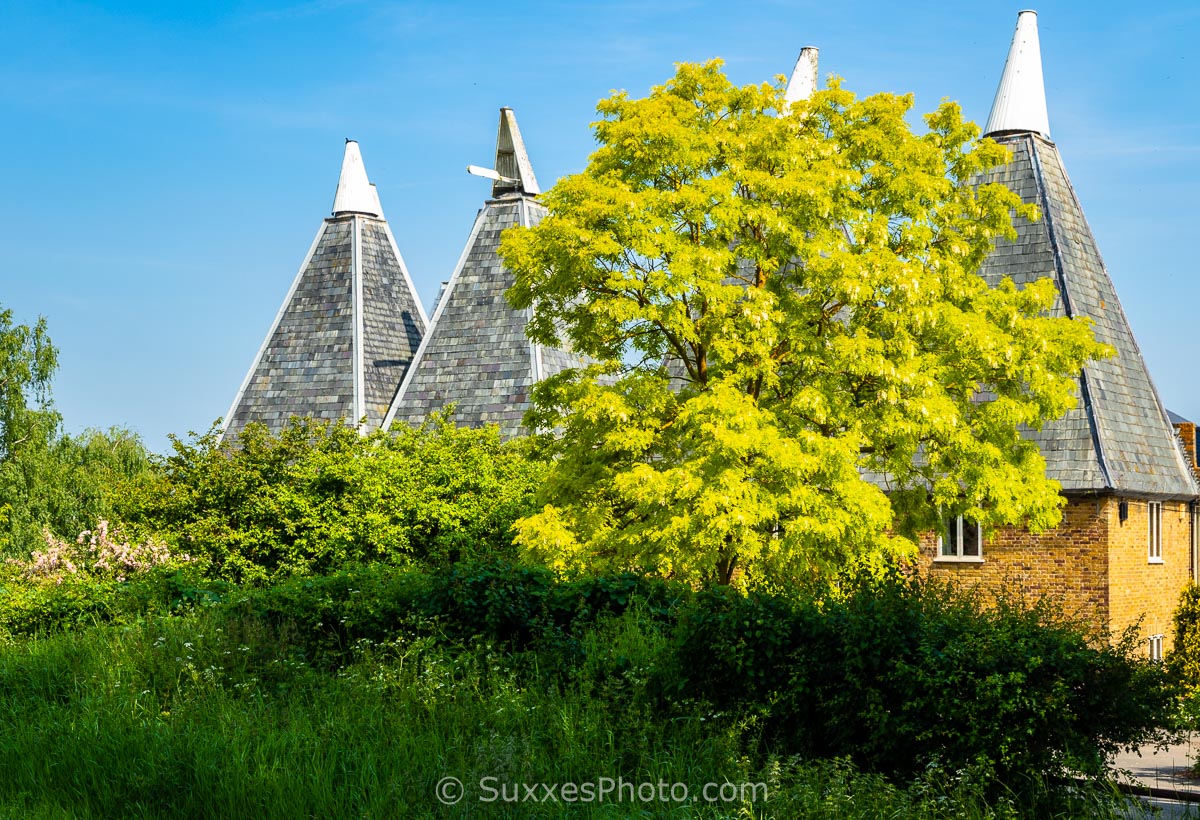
(958, 556)
(1156, 647)
(1154, 519)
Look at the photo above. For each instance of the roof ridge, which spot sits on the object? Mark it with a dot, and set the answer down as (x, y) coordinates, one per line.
(1085, 393)
(1120, 310)
(1118, 439)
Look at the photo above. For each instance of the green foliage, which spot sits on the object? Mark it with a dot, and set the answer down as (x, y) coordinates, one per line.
(902, 674)
(811, 272)
(99, 554)
(512, 607)
(66, 484)
(517, 606)
(318, 496)
(34, 609)
(30, 609)
(1183, 661)
(206, 716)
(898, 675)
(353, 694)
(27, 361)
(1184, 658)
(29, 455)
(50, 481)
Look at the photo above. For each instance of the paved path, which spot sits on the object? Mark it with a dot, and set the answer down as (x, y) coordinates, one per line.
(1164, 769)
(1169, 769)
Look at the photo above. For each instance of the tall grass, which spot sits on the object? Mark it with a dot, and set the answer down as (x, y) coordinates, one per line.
(220, 714)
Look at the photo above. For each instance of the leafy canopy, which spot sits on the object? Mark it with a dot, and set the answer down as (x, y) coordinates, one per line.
(808, 275)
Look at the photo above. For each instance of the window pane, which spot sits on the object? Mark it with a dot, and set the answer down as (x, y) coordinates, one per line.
(1154, 509)
(950, 537)
(970, 544)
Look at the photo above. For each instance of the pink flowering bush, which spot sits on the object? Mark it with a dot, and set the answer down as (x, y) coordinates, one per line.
(95, 554)
(100, 577)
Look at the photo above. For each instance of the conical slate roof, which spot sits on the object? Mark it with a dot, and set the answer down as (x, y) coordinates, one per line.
(348, 327)
(1118, 439)
(476, 354)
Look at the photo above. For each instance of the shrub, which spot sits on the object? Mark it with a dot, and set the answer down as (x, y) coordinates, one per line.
(210, 715)
(98, 577)
(513, 607)
(37, 609)
(96, 554)
(318, 496)
(1184, 658)
(900, 674)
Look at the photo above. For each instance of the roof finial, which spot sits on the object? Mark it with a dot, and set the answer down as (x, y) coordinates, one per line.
(803, 83)
(1020, 103)
(512, 160)
(355, 194)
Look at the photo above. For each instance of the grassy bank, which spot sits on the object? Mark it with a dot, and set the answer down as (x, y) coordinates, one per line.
(223, 712)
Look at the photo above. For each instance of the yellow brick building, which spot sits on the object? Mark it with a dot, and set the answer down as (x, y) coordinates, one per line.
(1127, 543)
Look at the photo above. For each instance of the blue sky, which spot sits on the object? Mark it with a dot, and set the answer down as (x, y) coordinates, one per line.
(166, 165)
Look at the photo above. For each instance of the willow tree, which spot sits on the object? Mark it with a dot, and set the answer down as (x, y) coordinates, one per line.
(798, 364)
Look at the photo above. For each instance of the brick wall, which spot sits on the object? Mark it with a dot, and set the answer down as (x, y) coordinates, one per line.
(1097, 566)
(1140, 588)
(1070, 562)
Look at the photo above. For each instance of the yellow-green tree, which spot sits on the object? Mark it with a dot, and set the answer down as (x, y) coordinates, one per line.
(808, 272)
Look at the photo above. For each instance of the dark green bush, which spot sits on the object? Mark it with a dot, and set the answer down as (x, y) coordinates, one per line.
(900, 674)
(29, 609)
(514, 607)
(1183, 661)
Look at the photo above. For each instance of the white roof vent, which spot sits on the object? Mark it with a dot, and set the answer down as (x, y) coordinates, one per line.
(355, 194)
(803, 83)
(1020, 103)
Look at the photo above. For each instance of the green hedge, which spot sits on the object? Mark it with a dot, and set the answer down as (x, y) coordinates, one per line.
(1184, 657)
(896, 674)
(901, 674)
